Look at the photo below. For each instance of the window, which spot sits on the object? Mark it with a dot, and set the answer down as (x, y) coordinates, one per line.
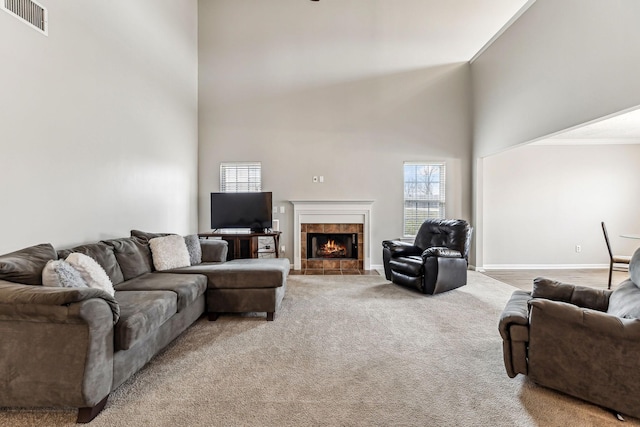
(424, 194)
(240, 177)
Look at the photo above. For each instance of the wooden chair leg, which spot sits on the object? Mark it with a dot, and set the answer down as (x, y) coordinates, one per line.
(213, 316)
(87, 414)
(610, 273)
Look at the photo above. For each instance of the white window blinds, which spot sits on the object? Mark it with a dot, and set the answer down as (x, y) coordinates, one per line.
(240, 177)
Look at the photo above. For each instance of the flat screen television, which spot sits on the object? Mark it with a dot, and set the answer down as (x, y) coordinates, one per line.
(241, 210)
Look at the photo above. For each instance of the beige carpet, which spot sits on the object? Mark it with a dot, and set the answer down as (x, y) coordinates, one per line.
(343, 351)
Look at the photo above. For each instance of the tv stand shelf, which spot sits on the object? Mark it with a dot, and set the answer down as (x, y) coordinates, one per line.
(245, 245)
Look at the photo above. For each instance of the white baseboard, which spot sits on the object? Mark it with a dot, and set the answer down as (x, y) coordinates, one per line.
(541, 266)
(380, 267)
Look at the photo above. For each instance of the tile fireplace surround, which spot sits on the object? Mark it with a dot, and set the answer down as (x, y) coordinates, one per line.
(327, 212)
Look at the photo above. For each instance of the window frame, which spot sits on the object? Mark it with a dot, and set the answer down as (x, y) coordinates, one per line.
(439, 199)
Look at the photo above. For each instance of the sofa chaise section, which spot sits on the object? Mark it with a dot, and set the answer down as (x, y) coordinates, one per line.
(243, 285)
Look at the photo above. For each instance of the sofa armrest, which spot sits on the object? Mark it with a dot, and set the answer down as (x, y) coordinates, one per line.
(214, 250)
(54, 342)
(399, 248)
(43, 296)
(514, 330)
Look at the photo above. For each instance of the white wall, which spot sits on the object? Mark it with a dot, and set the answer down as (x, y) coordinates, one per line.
(311, 91)
(99, 122)
(561, 64)
(541, 201)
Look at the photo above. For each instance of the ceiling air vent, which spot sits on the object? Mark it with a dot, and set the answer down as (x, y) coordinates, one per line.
(27, 11)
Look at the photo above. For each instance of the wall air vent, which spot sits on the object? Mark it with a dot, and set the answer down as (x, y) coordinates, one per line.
(27, 11)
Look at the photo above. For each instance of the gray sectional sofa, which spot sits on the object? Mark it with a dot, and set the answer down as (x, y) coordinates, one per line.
(71, 346)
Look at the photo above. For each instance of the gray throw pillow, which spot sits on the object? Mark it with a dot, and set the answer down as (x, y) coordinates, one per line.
(193, 246)
(625, 301)
(634, 267)
(60, 273)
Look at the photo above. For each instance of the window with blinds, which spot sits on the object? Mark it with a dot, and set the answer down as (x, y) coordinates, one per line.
(424, 194)
(240, 177)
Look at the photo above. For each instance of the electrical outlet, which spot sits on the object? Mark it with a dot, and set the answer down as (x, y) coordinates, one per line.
(578, 248)
(281, 209)
(321, 178)
(282, 249)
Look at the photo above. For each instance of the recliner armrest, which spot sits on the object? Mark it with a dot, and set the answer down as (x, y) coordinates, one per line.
(516, 312)
(514, 329)
(442, 252)
(400, 248)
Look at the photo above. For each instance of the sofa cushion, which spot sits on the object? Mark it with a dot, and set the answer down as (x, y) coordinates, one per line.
(242, 273)
(59, 273)
(25, 265)
(141, 313)
(133, 256)
(582, 296)
(193, 247)
(625, 301)
(169, 252)
(92, 272)
(102, 254)
(145, 236)
(188, 287)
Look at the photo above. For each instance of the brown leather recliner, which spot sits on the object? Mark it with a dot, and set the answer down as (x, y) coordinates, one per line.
(437, 260)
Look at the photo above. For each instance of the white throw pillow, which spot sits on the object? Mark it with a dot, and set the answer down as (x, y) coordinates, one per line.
(91, 272)
(59, 273)
(169, 252)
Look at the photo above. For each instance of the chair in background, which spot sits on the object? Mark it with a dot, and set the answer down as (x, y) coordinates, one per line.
(613, 259)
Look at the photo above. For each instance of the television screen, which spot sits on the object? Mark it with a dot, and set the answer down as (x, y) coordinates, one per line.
(241, 210)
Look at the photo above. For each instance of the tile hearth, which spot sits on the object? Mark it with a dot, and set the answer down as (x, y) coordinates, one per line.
(322, 272)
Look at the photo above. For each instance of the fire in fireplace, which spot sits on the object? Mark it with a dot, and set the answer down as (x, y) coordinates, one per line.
(332, 245)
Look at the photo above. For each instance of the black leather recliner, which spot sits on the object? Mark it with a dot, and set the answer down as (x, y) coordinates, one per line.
(436, 262)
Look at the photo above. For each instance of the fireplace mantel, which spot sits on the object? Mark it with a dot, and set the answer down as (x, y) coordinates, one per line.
(331, 212)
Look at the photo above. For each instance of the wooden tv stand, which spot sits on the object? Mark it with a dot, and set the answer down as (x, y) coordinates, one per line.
(244, 245)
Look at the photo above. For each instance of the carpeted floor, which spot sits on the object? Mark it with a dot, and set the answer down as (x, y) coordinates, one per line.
(342, 351)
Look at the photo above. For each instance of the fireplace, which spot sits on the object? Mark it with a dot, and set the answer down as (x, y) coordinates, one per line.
(332, 216)
(332, 245)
